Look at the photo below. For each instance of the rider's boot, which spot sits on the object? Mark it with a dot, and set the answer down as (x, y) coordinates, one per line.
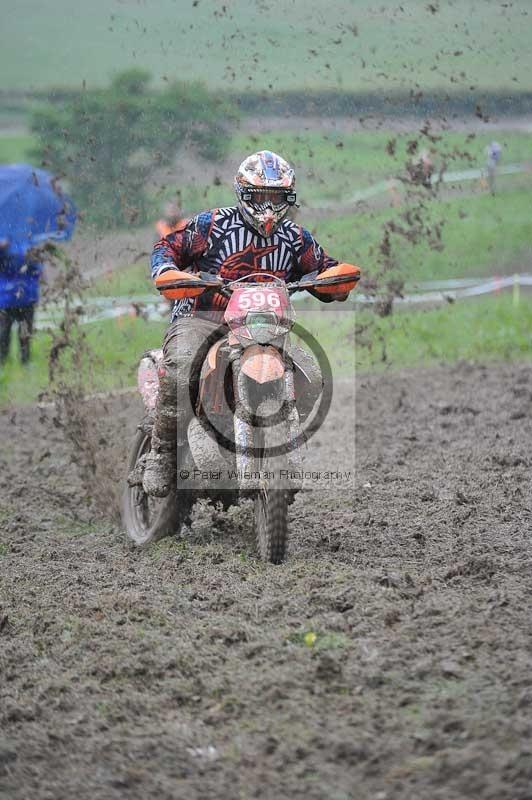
(173, 410)
(160, 469)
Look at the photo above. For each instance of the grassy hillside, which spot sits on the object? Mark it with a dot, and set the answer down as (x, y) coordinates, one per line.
(481, 235)
(332, 166)
(241, 44)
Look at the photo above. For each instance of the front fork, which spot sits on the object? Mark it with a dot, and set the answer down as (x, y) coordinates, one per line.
(246, 449)
(294, 458)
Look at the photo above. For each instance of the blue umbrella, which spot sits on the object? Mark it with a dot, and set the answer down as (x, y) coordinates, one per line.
(32, 207)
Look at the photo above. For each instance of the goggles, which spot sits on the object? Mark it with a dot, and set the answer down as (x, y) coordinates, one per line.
(277, 197)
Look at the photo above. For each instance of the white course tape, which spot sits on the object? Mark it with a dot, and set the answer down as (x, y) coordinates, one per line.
(446, 177)
(97, 309)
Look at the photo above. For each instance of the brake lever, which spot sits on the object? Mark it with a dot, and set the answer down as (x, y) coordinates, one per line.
(218, 284)
(300, 286)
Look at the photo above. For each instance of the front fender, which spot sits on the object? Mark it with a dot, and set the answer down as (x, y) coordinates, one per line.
(262, 364)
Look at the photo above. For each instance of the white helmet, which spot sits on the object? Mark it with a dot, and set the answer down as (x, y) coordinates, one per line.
(265, 188)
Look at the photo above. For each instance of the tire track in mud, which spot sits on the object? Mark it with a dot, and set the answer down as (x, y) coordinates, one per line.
(183, 670)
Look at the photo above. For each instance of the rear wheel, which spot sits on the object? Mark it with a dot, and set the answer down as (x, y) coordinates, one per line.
(147, 519)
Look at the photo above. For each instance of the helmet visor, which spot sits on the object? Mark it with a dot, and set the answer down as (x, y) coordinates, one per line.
(277, 197)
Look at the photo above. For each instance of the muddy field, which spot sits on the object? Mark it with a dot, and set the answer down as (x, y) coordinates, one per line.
(389, 658)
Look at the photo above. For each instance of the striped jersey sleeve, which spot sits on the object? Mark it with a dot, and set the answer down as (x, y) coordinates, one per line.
(181, 248)
(312, 257)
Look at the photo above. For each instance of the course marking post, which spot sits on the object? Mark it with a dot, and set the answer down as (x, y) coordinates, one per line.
(515, 290)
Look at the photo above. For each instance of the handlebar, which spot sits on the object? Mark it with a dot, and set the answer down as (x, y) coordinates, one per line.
(226, 287)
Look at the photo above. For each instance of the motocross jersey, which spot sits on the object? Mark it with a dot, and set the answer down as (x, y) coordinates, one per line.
(220, 242)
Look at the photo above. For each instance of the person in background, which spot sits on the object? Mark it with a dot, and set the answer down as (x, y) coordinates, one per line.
(427, 168)
(493, 155)
(171, 221)
(421, 169)
(20, 275)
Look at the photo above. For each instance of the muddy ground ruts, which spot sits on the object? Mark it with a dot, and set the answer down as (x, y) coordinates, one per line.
(183, 671)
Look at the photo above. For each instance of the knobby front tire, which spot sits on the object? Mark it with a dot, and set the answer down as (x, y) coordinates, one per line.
(272, 500)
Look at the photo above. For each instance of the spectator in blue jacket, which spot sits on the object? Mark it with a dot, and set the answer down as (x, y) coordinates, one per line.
(19, 294)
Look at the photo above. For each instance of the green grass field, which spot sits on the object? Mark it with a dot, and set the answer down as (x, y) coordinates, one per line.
(115, 347)
(482, 235)
(469, 330)
(302, 44)
(16, 149)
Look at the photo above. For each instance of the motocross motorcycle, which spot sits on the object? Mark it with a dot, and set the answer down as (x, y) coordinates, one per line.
(246, 426)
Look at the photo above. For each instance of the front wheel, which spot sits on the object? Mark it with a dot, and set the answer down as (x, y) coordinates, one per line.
(272, 500)
(147, 519)
(271, 522)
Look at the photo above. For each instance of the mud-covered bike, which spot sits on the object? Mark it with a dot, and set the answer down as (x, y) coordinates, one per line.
(244, 440)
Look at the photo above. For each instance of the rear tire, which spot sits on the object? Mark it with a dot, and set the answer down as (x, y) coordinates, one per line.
(147, 519)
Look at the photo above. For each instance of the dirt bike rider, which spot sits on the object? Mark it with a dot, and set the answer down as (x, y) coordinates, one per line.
(253, 236)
